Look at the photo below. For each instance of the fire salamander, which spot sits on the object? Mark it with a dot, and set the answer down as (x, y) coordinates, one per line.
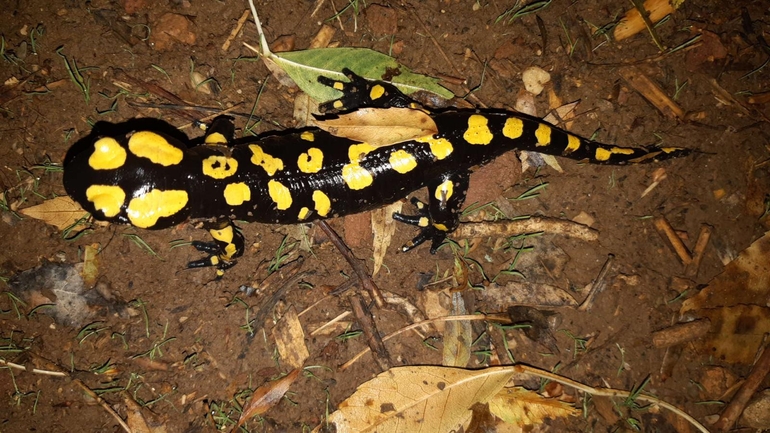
(152, 180)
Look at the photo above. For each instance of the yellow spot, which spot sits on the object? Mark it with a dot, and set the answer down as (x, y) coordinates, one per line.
(339, 85)
(337, 104)
(445, 190)
(622, 150)
(356, 152)
(307, 136)
(478, 132)
(310, 161)
(237, 193)
(602, 154)
(108, 155)
(423, 222)
(303, 213)
(440, 226)
(229, 251)
(144, 211)
(154, 147)
(439, 147)
(322, 203)
(513, 128)
(219, 167)
(573, 144)
(268, 162)
(215, 138)
(106, 198)
(402, 161)
(670, 149)
(280, 194)
(223, 235)
(543, 135)
(214, 260)
(376, 92)
(356, 176)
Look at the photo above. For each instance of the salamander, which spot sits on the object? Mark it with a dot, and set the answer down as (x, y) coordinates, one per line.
(153, 180)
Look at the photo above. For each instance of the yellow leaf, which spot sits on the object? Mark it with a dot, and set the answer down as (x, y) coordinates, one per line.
(60, 212)
(381, 126)
(418, 398)
(526, 408)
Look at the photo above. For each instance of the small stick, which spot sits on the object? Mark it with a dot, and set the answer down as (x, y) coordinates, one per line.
(651, 92)
(236, 30)
(749, 387)
(103, 404)
(598, 285)
(358, 266)
(681, 333)
(373, 339)
(697, 254)
(288, 278)
(529, 225)
(667, 232)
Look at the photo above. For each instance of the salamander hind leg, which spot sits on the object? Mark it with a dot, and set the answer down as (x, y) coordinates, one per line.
(359, 92)
(440, 216)
(220, 132)
(227, 245)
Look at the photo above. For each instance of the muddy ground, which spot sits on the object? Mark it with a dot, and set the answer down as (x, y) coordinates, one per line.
(175, 340)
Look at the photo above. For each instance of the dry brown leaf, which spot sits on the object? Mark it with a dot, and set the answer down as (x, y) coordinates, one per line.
(735, 302)
(60, 212)
(290, 339)
(304, 107)
(90, 270)
(458, 336)
(523, 407)
(418, 398)
(529, 294)
(381, 126)
(141, 420)
(383, 227)
(266, 396)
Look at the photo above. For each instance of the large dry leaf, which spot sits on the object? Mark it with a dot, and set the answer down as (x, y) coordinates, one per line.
(60, 212)
(267, 396)
(381, 126)
(422, 399)
(523, 407)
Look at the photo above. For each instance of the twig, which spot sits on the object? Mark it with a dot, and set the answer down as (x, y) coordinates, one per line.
(77, 382)
(681, 333)
(667, 232)
(697, 254)
(749, 387)
(608, 392)
(236, 30)
(103, 404)
(598, 285)
(364, 318)
(34, 370)
(358, 265)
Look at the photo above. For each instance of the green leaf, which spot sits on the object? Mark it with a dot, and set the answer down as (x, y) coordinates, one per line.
(305, 66)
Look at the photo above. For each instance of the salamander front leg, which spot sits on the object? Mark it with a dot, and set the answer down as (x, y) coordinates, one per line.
(227, 245)
(359, 92)
(440, 216)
